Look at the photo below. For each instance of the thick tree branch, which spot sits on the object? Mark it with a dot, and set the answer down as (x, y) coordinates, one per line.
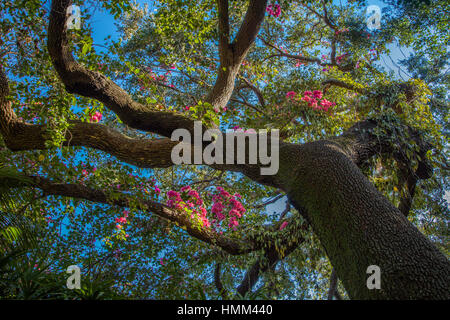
(224, 30)
(232, 56)
(92, 84)
(218, 283)
(359, 142)
(155, 153)
(333, 52)
(255, 89)
(249, 29)
(19, 135)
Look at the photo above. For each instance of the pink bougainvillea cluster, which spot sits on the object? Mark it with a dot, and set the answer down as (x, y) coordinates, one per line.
(96, 117)
(274, 10)
(313, 99)
(190, 201)
(226, 209)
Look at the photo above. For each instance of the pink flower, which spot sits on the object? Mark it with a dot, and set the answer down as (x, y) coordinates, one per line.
(325, 103)
(317, 94)
(306, 99)
(174, 198)
(196, 196)
(291, 94)
(217, 208)
(173, 194)
(339, 58)
(205, 222)
(274, 10)
(234, 212)
(97, 117)
(283, 225)
(121, 220)
(185, 188)
(233, 223)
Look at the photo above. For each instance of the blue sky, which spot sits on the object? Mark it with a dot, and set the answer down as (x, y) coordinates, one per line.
(103, 23)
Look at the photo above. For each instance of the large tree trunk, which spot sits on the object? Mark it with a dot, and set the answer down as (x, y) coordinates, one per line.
(359, 227)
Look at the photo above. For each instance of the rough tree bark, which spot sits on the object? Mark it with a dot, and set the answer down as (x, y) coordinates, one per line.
(359, 227)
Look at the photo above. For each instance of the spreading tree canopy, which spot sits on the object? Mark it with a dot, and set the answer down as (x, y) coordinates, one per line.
(85, 149)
